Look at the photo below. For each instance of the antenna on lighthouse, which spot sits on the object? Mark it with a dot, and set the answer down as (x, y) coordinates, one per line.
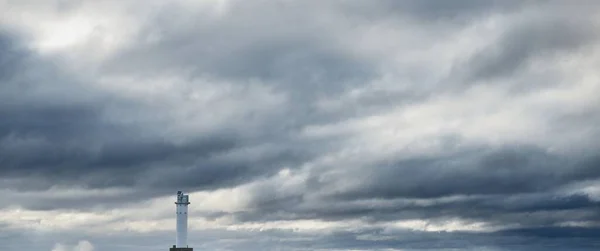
(181, 211)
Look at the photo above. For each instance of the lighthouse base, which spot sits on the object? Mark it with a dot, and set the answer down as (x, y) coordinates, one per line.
(180, 249)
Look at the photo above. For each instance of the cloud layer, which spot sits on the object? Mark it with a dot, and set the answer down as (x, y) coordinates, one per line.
(307, 125)
(81, 246)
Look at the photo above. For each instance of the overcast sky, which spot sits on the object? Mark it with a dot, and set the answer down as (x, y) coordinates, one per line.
(300, 124)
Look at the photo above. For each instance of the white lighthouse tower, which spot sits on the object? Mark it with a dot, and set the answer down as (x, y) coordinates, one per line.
(181, 211)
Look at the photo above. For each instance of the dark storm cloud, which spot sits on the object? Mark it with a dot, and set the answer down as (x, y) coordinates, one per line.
(474, 207)
(527, 210)
(54, 137)
(555, 232)
(208, 173)
(123, 160)
(512, 185)
(512, 169)
(150, 168)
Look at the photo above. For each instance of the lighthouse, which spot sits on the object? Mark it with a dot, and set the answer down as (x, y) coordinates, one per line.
(181, 211)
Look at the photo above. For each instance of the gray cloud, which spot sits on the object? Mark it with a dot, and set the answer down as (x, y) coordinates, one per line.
(431, 11)
(256, 41)
(70, 140)
(538, 38)
(67, 129)
(514, 185)
(486, 171)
